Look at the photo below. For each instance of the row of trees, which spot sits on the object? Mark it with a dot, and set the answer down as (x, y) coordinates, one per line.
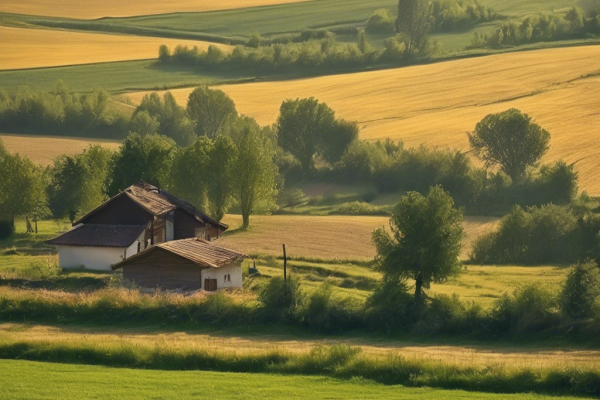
(539, 28)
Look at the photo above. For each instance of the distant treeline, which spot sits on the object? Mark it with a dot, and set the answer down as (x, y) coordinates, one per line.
(444, 16)
(60, 112)
(541, 28)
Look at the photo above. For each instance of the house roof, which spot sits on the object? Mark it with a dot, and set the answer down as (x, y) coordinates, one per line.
(199, 251)
(96, 235)
(157, 202)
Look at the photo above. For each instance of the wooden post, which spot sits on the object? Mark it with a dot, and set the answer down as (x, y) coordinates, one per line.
(284, 265)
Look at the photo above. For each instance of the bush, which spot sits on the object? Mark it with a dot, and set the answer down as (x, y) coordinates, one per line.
(292, 198)
(448, 315)
(581, 289)
(529, 309)
(534, 236)
(360, 208)
(281, 299)
(390, 307)
(43, 268)
(381, 22)
(327, 313)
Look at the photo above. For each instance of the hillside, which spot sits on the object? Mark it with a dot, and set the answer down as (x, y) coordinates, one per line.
(35, 48)
(437, 104)
(119, 8)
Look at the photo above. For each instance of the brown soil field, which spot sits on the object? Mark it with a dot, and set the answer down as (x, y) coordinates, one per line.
(472, 355)
(438, 104)
(328, 237)
(119, 8)
(35, 48)
(44, 149)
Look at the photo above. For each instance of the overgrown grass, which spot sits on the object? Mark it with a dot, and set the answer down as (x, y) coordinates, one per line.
(338, 361)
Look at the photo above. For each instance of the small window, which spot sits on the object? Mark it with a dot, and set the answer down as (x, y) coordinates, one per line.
(139, 246)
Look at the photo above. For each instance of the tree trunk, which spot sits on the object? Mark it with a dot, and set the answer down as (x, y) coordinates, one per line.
(419, 289)
(35, 221)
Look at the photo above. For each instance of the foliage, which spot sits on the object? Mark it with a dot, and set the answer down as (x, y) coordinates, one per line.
(449, 16)
(425, 242)
(255, 171)
(581, 289)
(79, 183)
(171, 119)
(30, 111)
(414, 23)
(210, 110)
(306, 128)
(546, 234)
(380, 22)
(281, 298)
(221, 176)
(145, 158)
(540, 28)
(326, 312)
(511, 140)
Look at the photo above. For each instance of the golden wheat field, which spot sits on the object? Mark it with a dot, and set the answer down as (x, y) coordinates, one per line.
(35, 48)
(438, 104)
(467, 355)
(44, 149)
(329, 237)
(124, 8)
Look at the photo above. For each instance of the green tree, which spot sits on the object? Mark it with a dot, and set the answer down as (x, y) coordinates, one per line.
(255, 170)
(511, 140)
(221, 176)
(172, 119)
(301, 127)
(413, 24)
(425, 240)
(21, 187)
(210, 110)
(190, 171)
(581, 289)
(78, 184)
(336, 143)
(145, 158)
(144, 124)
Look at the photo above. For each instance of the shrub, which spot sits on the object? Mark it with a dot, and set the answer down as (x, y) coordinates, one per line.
(529, 309)
(581, 289)
(328, 313)
(43, 268)
(360, 208)
(280, 299)
(293, 198)
(390, 307)
(381, 22)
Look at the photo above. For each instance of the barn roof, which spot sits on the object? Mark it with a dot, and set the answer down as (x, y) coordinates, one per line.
(156, 202)
(99, 235)
(196, 250)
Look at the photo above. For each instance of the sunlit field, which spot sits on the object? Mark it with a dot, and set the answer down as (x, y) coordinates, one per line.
(116, 8)
(329, 237)
(35, 48)
(438, 104)
(44, 149)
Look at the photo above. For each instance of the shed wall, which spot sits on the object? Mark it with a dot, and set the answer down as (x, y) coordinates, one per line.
(96, 258)
(120, 211)
(233, 270)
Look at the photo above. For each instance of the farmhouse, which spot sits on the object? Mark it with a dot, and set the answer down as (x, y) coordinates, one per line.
(138, 217)
(188, 264)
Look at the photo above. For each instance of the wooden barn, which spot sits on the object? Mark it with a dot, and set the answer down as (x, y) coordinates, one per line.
(188, 264)
(160, 216)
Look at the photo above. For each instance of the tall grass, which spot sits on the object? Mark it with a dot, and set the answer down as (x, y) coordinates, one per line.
(339, 361)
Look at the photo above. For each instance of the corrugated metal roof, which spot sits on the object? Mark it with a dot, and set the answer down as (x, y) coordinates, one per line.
(96, 235)
(198, 251)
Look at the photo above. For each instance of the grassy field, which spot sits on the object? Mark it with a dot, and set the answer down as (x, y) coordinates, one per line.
(32, 380)
(116, 77)
(116, 8)
(341, 237)
(35, 48)
(438, 104)
(44, 149)
(462, 354)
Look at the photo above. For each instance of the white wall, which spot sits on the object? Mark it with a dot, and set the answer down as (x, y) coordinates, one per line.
(98, 258)
(233, 270)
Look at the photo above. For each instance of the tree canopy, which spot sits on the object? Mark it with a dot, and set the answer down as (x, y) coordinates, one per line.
(511, 140)
(413, 24)
(425, 240)
(210, 110)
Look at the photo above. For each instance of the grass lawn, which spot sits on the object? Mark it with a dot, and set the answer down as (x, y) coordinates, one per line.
(21, 380)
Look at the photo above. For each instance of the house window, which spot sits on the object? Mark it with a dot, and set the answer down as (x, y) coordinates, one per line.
(227, 278)
(139, 246)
